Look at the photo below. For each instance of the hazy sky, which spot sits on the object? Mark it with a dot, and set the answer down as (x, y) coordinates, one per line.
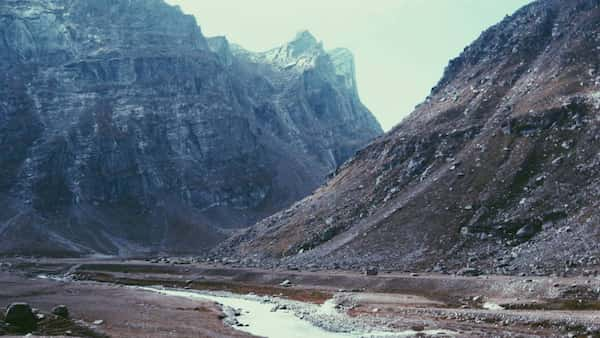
(401, 46)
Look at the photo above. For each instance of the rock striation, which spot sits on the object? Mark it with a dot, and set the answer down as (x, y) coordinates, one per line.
(498, 170)
(123, 130)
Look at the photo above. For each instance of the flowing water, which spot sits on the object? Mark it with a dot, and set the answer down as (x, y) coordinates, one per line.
(257, 318)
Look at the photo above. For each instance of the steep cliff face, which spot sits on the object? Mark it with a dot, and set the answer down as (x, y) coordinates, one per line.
(124, 130)
(498, 169)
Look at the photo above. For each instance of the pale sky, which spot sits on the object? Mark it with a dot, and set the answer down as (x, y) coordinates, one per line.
(401, 46)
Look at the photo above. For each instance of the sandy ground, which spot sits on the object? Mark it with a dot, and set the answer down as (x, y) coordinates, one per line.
(126, 312)
(531, 306)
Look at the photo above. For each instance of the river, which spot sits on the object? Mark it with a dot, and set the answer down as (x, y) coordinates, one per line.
(256, 317)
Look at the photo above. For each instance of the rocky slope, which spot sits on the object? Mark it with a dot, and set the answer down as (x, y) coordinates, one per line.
(124, 130)
(498, 169)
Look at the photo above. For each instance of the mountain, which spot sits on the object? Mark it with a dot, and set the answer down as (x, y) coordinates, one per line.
(125, 131)
(497, 170)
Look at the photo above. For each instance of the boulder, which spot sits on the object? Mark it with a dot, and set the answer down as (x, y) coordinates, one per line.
(468, 272)
(526, 232)
(371, 271)
(21, 316)
(61, 311)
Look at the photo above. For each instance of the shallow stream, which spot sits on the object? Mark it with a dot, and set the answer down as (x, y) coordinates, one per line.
(256, 316)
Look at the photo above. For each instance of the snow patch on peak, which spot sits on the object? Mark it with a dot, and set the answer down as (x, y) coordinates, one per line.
(300, 54)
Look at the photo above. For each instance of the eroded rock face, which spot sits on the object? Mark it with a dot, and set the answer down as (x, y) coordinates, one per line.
(123, 130)
(490, 171)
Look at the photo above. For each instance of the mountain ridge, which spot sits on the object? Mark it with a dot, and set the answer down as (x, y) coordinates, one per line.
(496, 169)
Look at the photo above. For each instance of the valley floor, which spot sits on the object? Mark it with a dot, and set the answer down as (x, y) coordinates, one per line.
(124, 312)
(413, 304)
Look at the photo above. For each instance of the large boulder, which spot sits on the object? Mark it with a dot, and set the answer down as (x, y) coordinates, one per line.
(21, 316)
(61, 311)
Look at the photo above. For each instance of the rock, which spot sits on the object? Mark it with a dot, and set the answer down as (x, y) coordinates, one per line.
(229, 316)
(526, 232)
(371, 271)
(418, 328)
(439, 268)
(21, 316)
(61, 311)
(469, 272)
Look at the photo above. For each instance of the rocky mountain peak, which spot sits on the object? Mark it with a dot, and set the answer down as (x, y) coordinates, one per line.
(303, 41)
(303, 52)
(343, 61)
(57, 30)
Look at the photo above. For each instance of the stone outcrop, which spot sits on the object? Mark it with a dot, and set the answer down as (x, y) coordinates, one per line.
(124, 130)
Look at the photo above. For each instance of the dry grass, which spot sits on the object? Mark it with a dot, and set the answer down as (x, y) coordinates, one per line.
(304, 295)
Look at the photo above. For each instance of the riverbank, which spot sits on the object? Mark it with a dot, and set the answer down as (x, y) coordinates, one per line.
(123, 311)
(467, 306)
